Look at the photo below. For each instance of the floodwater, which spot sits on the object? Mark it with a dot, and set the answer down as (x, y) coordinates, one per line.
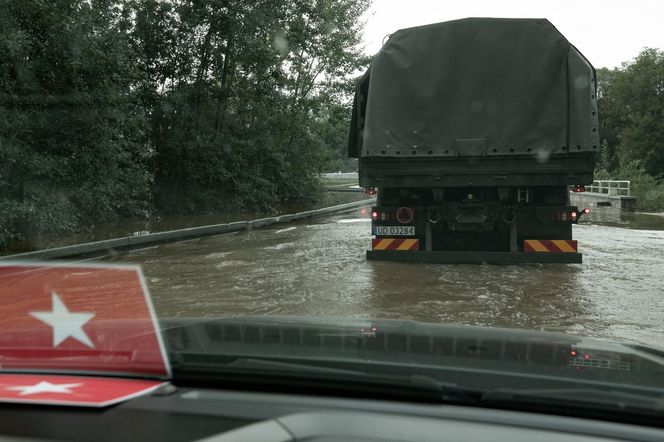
(319, 268)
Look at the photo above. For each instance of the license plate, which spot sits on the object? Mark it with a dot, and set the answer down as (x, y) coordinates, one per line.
(394, 230)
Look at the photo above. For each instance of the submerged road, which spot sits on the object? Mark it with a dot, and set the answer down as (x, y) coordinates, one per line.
(319, 268)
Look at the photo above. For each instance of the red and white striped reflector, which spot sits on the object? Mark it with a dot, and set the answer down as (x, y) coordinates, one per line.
(395, 244)
(550, 245)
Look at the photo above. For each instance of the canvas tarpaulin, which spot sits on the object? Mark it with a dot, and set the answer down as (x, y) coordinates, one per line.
(475, 87)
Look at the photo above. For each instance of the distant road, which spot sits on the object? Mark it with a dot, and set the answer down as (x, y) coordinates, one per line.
(341, 176)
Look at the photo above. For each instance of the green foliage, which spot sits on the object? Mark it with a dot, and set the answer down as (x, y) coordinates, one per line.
(115, 108)
(631, 109)
(72, 151)
(333, 129)
(648, 189)
(611, 119)
(243, 118)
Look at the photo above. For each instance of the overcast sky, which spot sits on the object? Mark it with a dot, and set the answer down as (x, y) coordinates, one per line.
(607, 32)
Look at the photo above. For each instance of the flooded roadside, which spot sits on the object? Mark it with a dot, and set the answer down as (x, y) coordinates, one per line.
(125, 228)
(319, 268)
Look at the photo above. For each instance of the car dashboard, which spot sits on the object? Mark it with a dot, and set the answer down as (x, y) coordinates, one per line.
(185, 414)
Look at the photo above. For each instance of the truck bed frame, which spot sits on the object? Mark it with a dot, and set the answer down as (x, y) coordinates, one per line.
(475, 257)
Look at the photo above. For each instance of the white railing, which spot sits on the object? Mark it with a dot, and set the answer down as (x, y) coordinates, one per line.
(610, 187)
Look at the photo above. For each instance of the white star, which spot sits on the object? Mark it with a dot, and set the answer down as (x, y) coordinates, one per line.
(43, 387)
(65, 323)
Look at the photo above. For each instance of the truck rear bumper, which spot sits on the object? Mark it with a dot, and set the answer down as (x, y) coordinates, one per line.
(475, 257)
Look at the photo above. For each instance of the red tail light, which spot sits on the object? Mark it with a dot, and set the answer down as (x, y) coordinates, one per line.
(567, 216)
(371, 191)
(583, 212)
(579, 188)
(375, 215)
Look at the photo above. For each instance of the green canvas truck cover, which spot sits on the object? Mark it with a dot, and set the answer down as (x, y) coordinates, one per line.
(476, 87)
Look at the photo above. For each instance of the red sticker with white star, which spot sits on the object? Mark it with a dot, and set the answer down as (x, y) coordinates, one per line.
(72, 390)
(79, 318)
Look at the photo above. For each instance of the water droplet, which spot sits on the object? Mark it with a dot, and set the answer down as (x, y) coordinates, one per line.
(281, 44)
(542, 154)
(580, 82)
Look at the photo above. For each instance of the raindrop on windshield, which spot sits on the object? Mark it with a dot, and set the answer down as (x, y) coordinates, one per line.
(580, 82)
(281, 44)
(542, 154)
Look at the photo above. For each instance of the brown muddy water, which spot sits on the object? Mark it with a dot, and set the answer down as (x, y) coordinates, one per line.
(318, 268)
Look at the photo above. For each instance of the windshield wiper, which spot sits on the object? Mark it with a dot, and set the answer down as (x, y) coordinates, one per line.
(198, 368)
(579, 398)
(268, 364)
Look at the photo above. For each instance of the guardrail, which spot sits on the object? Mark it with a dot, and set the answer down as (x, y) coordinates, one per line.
(128, 243)
(610, 187)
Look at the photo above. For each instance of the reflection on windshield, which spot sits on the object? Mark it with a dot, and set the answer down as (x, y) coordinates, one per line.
(136, 132)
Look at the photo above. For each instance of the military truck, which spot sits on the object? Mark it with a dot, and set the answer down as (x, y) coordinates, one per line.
(473, 132)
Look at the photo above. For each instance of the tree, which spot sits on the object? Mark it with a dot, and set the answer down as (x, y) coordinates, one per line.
(128, 108)
(237, 91)
(72, 146)
(635, 111)
(611, 119)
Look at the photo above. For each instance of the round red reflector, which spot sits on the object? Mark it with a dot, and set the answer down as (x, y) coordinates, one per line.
(586, 211)
(374, 215)
(405, 215)
(573, 214)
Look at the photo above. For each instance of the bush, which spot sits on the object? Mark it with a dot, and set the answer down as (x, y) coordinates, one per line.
(648, 190)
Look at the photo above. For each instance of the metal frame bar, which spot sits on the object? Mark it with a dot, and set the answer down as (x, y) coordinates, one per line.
(475, 257)
(611, 187)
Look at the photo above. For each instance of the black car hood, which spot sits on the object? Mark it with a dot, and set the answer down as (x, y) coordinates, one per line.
(418, 345)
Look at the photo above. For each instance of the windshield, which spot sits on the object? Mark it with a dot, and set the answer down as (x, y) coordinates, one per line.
(473, 193)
